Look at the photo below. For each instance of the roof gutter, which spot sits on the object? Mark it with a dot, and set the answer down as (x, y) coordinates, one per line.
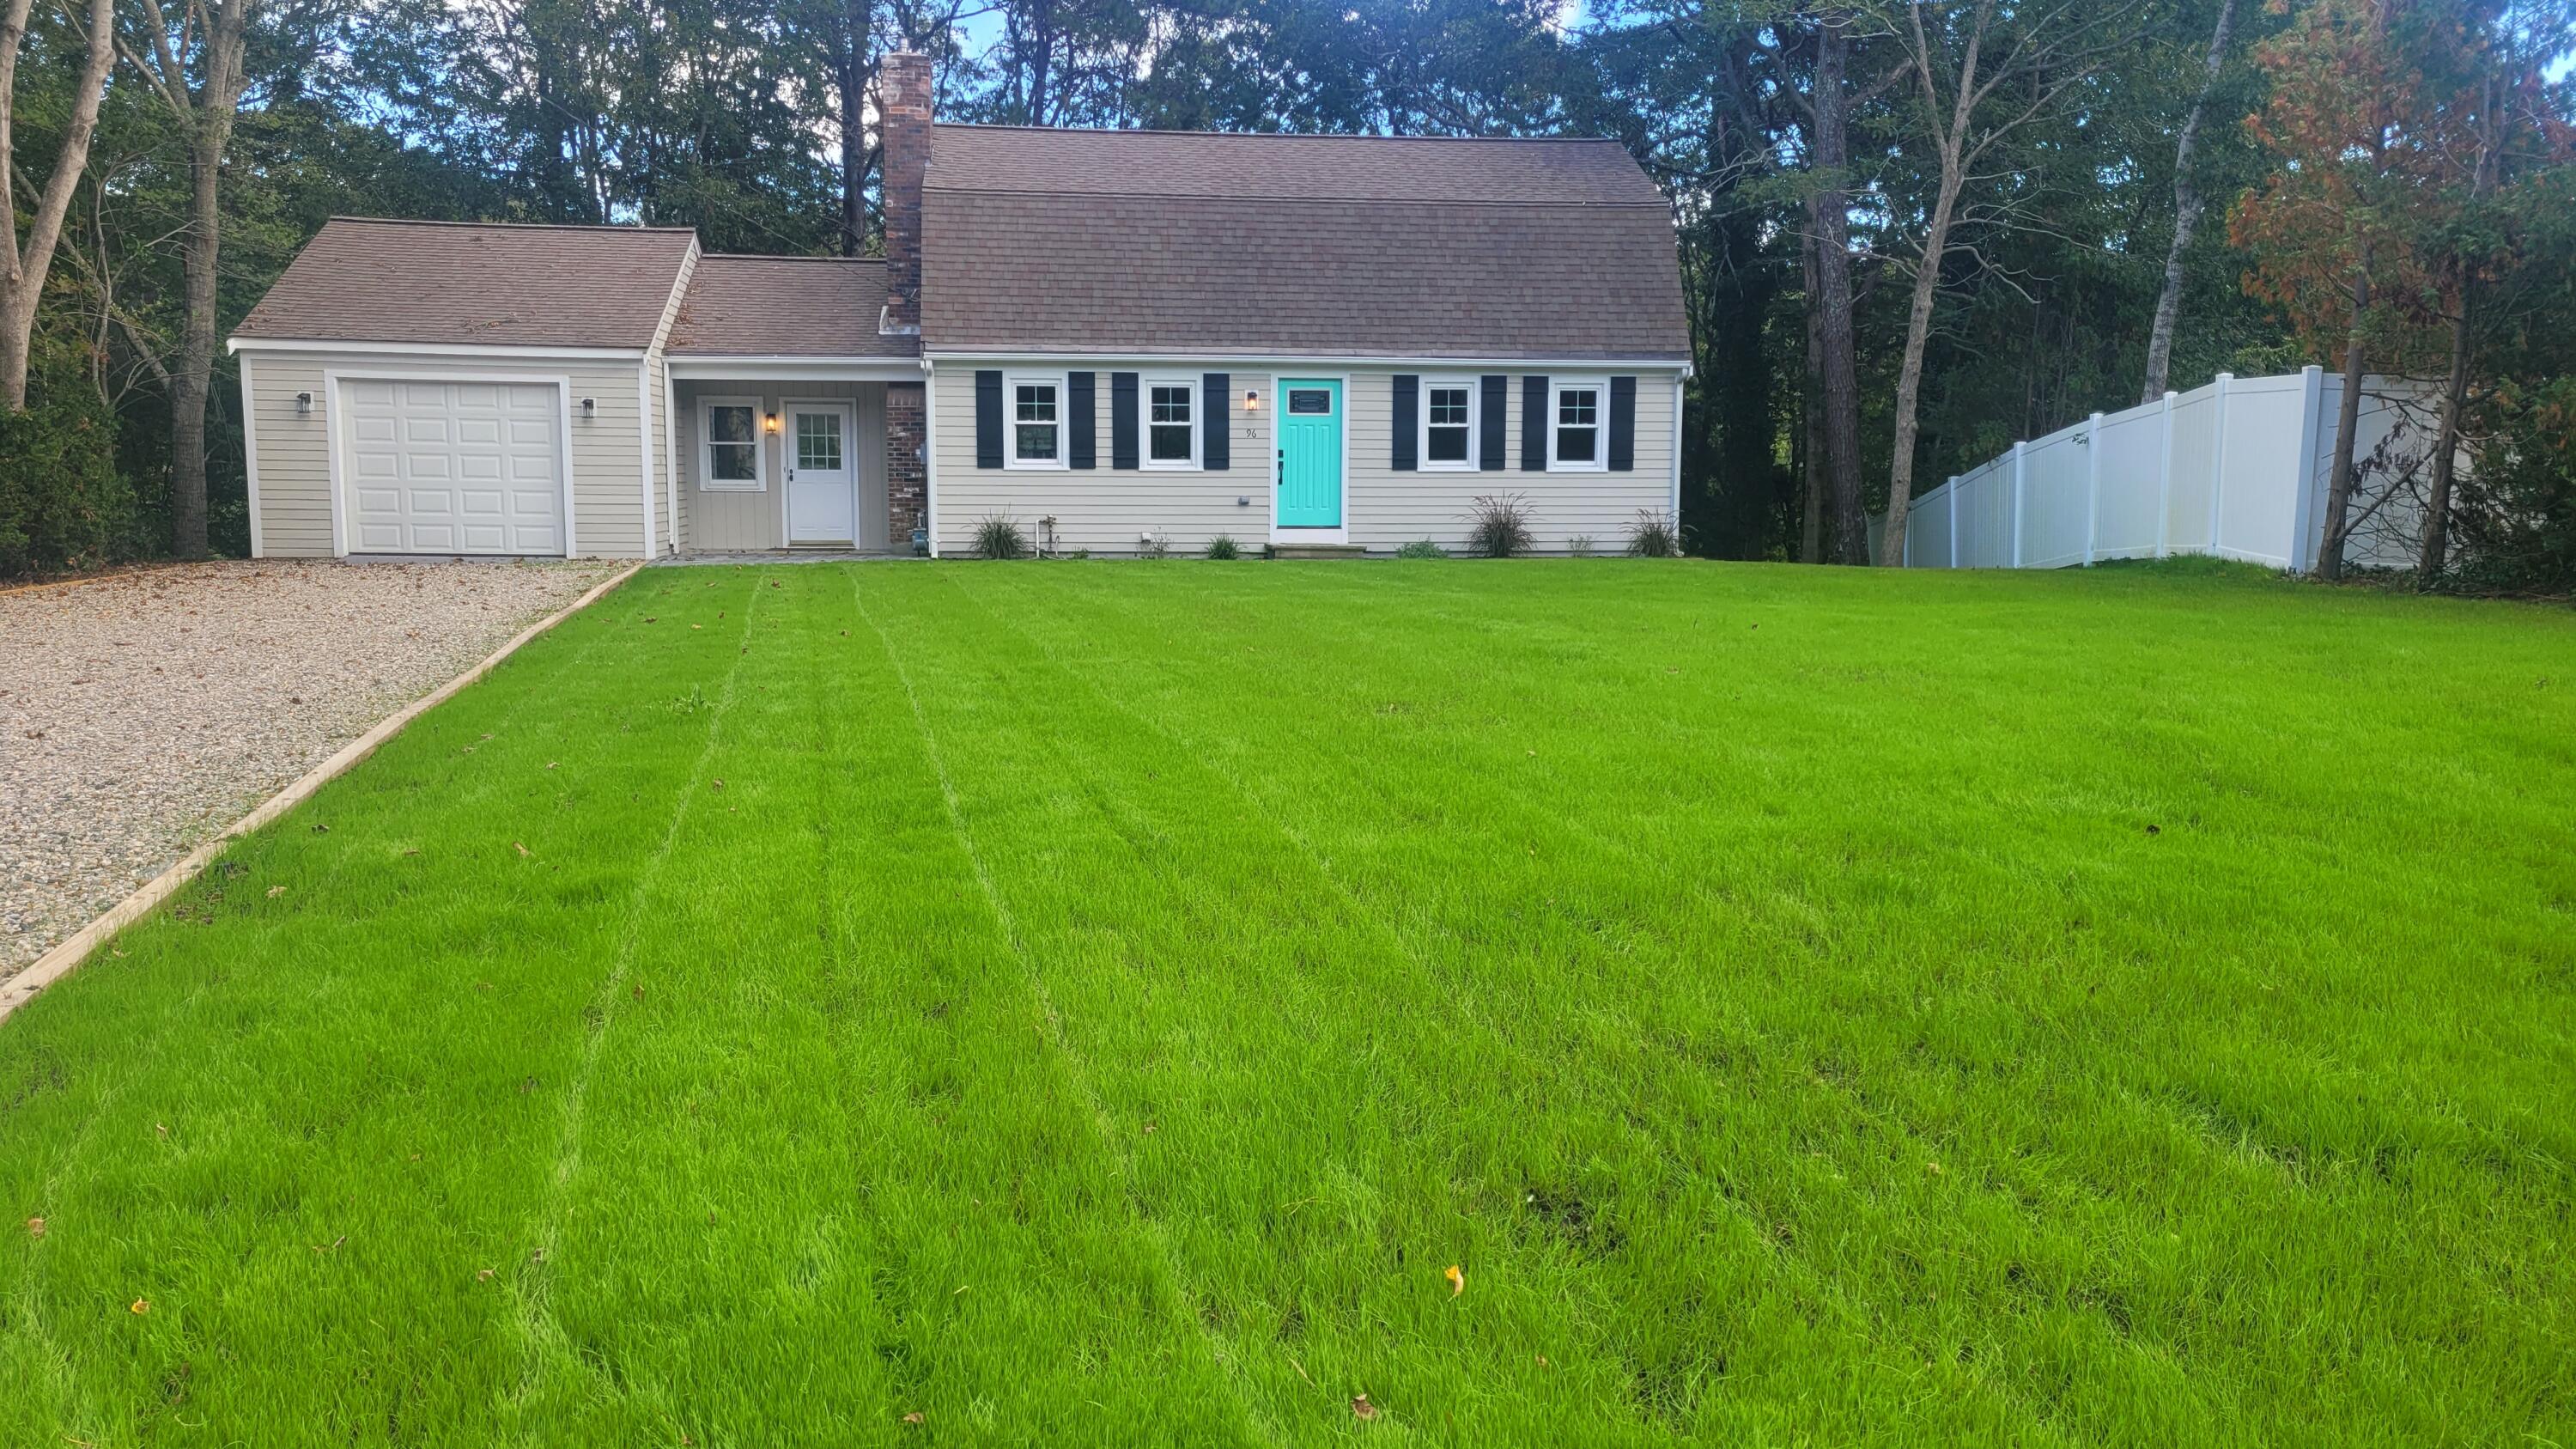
(435, 349)
(1681, 365)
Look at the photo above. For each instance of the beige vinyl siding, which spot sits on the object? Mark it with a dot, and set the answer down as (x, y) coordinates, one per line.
(729, 520)
(295, 465)
(293, 461)
(1107, 510)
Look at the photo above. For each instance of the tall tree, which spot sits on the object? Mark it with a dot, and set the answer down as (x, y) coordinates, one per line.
(1828, 208)
(2187, 209)
(1982, 72)
(196, 71)
(22, 284)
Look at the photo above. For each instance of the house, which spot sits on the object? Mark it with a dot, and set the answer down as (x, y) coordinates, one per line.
(1111, 337)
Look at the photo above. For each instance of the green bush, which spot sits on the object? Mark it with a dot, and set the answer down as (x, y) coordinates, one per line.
(1499, 526)
(1000, 537)
(1223, 546)
(1653, 536)
(1422, 548)
(63, 506)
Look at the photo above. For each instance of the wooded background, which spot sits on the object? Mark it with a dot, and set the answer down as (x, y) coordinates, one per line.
(1909, 233)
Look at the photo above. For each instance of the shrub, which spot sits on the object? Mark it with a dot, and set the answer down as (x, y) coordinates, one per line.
(1156, 545)
(1498, 526)
(1653, 536)
(999, 536)
(1223, 546)
(64, 508)
(1580, 545)
(1422, 548)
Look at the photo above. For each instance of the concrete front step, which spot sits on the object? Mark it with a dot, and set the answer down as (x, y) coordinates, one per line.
(1318, 550)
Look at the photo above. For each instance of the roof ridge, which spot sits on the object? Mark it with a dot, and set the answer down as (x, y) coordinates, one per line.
(517, 225)
(1266, 135)
(786, 257)
(1515, 203)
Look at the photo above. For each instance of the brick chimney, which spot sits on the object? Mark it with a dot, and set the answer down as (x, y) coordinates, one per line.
(903, 91)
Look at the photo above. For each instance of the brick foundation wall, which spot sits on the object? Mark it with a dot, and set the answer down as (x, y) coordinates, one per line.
(907, 434)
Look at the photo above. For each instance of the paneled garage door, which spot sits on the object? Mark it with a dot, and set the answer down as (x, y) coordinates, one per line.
(452, 467)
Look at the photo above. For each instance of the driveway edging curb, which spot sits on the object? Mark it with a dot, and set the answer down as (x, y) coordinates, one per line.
(68, 954)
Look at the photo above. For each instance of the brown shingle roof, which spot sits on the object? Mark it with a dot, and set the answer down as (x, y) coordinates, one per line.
(740, 306)
(1159, 242)
(364, 280)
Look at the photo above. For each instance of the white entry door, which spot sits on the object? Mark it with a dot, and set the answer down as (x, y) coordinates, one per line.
(452, 467)
(822, 474)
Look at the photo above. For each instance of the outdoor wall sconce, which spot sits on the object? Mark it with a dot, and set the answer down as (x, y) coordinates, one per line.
(589, 408)
(304, 404)
(769, 422)
(1251, 400)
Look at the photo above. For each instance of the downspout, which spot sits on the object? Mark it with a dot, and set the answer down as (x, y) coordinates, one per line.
(930, 455)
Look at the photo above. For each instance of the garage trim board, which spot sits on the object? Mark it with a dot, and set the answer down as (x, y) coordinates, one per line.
(335, 399)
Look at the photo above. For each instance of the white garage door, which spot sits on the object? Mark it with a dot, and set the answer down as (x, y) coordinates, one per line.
(452, 467)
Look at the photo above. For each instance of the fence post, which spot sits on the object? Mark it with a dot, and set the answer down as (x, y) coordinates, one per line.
(2164, 478)
(2217, 455)
(2018, 450)
(1953, 486)
(2312, 419)
(2092, 486)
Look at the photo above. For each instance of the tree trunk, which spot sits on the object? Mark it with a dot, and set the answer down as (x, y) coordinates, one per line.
(2347, 422)
(1909, 375)
(1811, 519)
(2446, 441)
(851, 66)
(194, 375)
(1829, 218)
(23, 269)
(2187, 205)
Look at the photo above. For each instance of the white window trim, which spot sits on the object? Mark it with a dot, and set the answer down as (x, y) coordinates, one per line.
(1011, 385)
(1145, 422)
(708, 482)
(1475, 418)
(1599, 387)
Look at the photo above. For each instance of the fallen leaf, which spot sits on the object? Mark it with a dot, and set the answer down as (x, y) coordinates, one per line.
(1457, 1280)
(719, 784)
(483, 1275)
(140, 1307)
(697, 626)
(550, 764)
(651, 619)
(275, 891)
(334, 1243)
(1361, 1408)
(35, 1227)
(913, 1418)
(1542, 1361)
(514, 845)
(1933, 1168)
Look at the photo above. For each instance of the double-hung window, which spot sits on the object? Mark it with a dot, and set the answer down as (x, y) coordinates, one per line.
(1578, 426)
(1171, 420)
(730, 453)
(1036, 432)
(1449, 407)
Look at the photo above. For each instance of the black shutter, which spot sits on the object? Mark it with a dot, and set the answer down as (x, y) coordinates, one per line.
(1216, 452)
(1533, 424)
(1081, 422)
(1408, 419)
(1489, 423)
(1122, 420)
(1623, 425)
(988, 420)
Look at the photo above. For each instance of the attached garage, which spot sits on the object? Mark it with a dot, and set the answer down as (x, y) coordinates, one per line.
(446, 467)
(443, 390)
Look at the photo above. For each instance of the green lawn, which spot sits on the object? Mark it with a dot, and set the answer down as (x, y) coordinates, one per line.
(1096, 1003)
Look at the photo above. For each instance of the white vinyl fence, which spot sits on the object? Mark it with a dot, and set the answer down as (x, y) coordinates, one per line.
(2237, 468)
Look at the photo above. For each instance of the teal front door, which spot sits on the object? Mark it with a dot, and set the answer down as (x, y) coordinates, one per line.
(1310, 453)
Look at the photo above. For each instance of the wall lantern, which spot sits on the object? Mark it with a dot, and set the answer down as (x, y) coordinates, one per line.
(1251, 400)
(304, 404)
(769, 423)
(589, 408)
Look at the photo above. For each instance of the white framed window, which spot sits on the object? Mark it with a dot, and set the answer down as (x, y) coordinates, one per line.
(1578, 425)
(1450, 412)
(730, 456)
(1169, 421)
(1033, 429)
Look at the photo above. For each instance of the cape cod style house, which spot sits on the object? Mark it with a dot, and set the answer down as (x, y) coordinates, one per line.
(1299, 341)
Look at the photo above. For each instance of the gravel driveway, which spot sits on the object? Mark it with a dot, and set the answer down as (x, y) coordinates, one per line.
(141, 713)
